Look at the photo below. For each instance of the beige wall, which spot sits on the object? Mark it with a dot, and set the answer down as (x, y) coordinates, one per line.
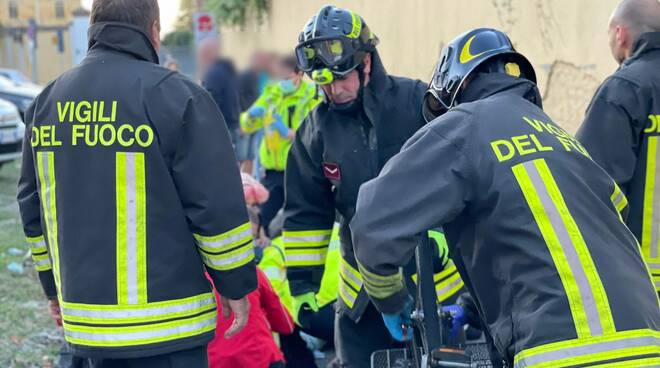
(566, 40)
(50, 63)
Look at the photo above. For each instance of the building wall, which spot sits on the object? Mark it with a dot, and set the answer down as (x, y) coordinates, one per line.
(566, 40)
(14, 44)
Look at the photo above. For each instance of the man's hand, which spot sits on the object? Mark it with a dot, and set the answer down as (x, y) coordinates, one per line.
(240, 308)
(458, 318)
(400, 325)
(304, 304)
(54, 311)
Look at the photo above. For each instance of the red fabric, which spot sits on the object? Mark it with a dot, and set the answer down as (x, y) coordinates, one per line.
(254, 347)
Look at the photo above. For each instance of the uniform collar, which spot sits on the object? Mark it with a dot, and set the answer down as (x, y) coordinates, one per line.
(122, 37)
(647, 42)
(487, 84)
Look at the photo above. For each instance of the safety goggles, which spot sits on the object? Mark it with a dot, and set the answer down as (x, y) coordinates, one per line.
(432, 106)
(339, 55)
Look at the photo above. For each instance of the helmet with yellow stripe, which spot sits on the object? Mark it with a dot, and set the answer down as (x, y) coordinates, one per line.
(482, 49)
(333, 43)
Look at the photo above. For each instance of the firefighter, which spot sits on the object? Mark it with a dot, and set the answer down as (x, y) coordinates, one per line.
(533, 224)
(364, 120)
(279, 111)
(622, 125)
(128, 189)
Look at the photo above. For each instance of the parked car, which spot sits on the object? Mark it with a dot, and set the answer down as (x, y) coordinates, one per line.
(20, 95)
(18, 78)
(12, 131)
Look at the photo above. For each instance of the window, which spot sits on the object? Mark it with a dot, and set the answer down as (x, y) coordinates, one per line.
(59, 9)
(13, 9)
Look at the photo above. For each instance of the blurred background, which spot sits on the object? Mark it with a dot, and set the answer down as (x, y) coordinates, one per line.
(566, 40)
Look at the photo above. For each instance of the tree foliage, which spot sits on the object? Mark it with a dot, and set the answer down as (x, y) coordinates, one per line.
(237, 12)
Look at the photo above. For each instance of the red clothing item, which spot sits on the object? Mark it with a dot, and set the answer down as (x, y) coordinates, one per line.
(254, 347)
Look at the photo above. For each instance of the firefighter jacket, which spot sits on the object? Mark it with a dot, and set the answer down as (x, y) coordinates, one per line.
(293, 108)
(621, 132)
(332, 155)
(532, 225)
(128, 188)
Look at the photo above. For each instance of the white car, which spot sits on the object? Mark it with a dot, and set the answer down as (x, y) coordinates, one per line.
(12, 131)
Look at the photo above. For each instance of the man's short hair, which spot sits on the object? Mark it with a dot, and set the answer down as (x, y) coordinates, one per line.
(140, 13)
(291, 63)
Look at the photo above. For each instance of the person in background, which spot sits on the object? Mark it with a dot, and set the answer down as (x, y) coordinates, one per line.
(220, 79)
(278, 112)
(622, 125)
(251, 84)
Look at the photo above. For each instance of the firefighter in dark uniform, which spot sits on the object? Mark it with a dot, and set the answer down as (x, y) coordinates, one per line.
(622, 126)
(366, 117)
(128, 190)
(531, 221)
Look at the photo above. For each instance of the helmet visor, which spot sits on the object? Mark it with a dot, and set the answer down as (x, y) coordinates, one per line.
(432, 106)
(336, 54)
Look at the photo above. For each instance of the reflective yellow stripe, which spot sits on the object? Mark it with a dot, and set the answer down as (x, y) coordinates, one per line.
(586, 296)
(46, 169)
(230, 260)
(131, 228)
(381, 287)
(634, 345)
(651, 214)
(348, 295)
(138, 313)
(37, 244)
(351, 275)
(140, 335)
(307, 238)
(225, 241)
(619, 199)
(307, 248)
(449, 286)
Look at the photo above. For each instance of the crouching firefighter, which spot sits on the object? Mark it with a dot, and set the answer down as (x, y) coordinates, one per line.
(123, 227)
(531, 221)
(366, 117)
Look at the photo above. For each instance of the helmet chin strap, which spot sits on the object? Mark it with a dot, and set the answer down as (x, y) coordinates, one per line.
(353, 105)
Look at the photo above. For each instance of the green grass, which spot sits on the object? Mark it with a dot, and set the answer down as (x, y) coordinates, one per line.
(28, 336)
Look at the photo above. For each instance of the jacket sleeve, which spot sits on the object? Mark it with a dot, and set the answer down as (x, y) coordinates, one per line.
(309, 212)
(611, 130)
(209, 184)
(397, 206)
(30, 209)
(278, 317)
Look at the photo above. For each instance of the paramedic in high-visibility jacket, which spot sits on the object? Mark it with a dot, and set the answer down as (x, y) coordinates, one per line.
(129, 188)
(532, 222)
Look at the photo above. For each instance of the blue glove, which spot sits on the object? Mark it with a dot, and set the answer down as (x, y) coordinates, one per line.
(279, 126)
(400, 325)
(458, 318)
(256, 112)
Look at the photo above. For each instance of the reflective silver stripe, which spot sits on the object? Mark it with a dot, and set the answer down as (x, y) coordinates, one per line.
(587, 349)
(131, 231)
(447, 288)
(572, 258)
(226, 262)
(218, 245)
(51, 221)
(305, 257)
(348, 274)
(306, 238)
(654, 266)
(346, 293)
(39, 245)
(100, 336)
(44, 262)
(138, 312)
